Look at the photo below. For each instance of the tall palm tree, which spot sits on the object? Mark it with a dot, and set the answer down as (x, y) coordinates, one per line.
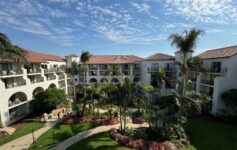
(113, 71)
(73, 70)
(9, 51)
(85, 56)
(195, 63)
(184, 42)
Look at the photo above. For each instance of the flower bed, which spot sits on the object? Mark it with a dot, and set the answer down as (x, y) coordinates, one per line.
(73, 120)
(136, 120)
(140, 143)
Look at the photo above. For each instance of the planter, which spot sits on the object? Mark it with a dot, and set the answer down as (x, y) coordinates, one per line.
(137, 120)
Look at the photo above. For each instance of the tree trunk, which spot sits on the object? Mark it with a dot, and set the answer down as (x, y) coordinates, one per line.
(74, 89)
(120, 118)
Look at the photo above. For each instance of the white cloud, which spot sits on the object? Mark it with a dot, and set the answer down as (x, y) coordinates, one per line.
(207, 11)
(214, 30)
(141, 7)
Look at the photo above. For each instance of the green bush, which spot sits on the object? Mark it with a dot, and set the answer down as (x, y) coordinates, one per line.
(48, 100)
(165, 101)
(230, 97)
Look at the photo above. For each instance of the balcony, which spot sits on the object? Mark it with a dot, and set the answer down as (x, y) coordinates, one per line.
(207, 82)
(92, 67)
(51, 70)
(61, 77)
(61, 84)
(102, 73)
(103, 67)
(210, 70)
(152, 69)
(50, 78)
(33, 71)
(37, 80)
(126, 73)
(169, 69)
(15, 84)
(10, 73)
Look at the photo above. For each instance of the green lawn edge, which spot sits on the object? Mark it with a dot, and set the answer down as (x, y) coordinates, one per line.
(34, 124)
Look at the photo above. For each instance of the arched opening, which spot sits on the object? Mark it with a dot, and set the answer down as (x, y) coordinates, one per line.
(104, 80)
(115, 80)
(37, 90)
(52, 86)
(93, 80)
(17, 98)
(136, 79)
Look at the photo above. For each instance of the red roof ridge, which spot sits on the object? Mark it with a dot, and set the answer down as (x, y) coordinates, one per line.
(160, 56)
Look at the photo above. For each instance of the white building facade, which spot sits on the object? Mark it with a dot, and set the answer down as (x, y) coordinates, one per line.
(20, 82)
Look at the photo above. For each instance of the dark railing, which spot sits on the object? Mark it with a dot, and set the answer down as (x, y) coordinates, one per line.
(208, 82)
(33, 71)
(152, 69)
(212, 70)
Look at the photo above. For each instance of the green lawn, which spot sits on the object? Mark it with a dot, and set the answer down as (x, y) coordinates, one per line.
(26, 129)
(212, 135)
(62, 132)
(100, 141)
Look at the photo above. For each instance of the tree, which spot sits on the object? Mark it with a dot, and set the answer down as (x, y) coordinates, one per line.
(85, 56)
(185, 42)
(9, 51)
(149, 89)
(140, 98)
(73, 70)
(114, 70)
(230, 98)
(48, 100)
(195, 63)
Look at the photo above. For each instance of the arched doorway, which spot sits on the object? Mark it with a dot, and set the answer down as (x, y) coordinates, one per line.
(37, 90)
(17, 98)
(52, 86)
(93, 80)
(104, 80)
(115, 80)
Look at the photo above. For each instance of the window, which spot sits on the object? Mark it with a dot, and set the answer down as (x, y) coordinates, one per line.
(216, 66)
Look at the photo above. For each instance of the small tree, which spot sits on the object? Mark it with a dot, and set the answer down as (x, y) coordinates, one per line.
(48, 100)
(114, 70)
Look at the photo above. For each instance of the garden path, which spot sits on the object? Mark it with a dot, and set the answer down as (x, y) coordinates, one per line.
(72, 140)
(24, 142)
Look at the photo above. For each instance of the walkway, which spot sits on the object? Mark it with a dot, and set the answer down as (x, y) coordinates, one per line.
(72, 140)
(24, 142)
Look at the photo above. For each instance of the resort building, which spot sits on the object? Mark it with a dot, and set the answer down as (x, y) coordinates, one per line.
(98, 68)
(219, 74)
(19, 82)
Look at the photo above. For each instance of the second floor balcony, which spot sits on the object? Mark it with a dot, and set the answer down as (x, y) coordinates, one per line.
(207, 82)
(152, 69)
(8, 73)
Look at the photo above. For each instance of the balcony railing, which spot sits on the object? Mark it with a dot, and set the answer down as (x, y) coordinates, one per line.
(30, 71)
(11, 72)
(15, 84)
(208, 82)
(61, 77)
(210, 70)
(50, 70)
(37, 80)
(15, 102)
(152, 69)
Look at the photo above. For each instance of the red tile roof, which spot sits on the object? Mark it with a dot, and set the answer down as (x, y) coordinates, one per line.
(114, 59)
(219, 53)
(160, 56)
(41, 57)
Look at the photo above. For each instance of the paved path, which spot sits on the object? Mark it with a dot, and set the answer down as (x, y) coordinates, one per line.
(24, 142)
(72, 140)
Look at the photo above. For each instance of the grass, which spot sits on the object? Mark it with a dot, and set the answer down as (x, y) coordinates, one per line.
(212, 135)
(61, 132)
(26, 129)
(100, 141)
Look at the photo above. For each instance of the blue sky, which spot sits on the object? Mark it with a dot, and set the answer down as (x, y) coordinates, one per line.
(105, 27)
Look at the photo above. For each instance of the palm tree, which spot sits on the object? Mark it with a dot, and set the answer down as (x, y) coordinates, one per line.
(113, 71)
(185, 42)
(9, 51)
(195, 63)
(85, 56)
(149, 89)
(73, 70)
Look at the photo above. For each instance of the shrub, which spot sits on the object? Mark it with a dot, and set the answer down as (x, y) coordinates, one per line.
(230, 97)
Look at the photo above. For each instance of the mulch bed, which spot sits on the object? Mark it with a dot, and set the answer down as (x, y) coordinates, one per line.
(99, 121)
(136, 120)
(140, 144)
